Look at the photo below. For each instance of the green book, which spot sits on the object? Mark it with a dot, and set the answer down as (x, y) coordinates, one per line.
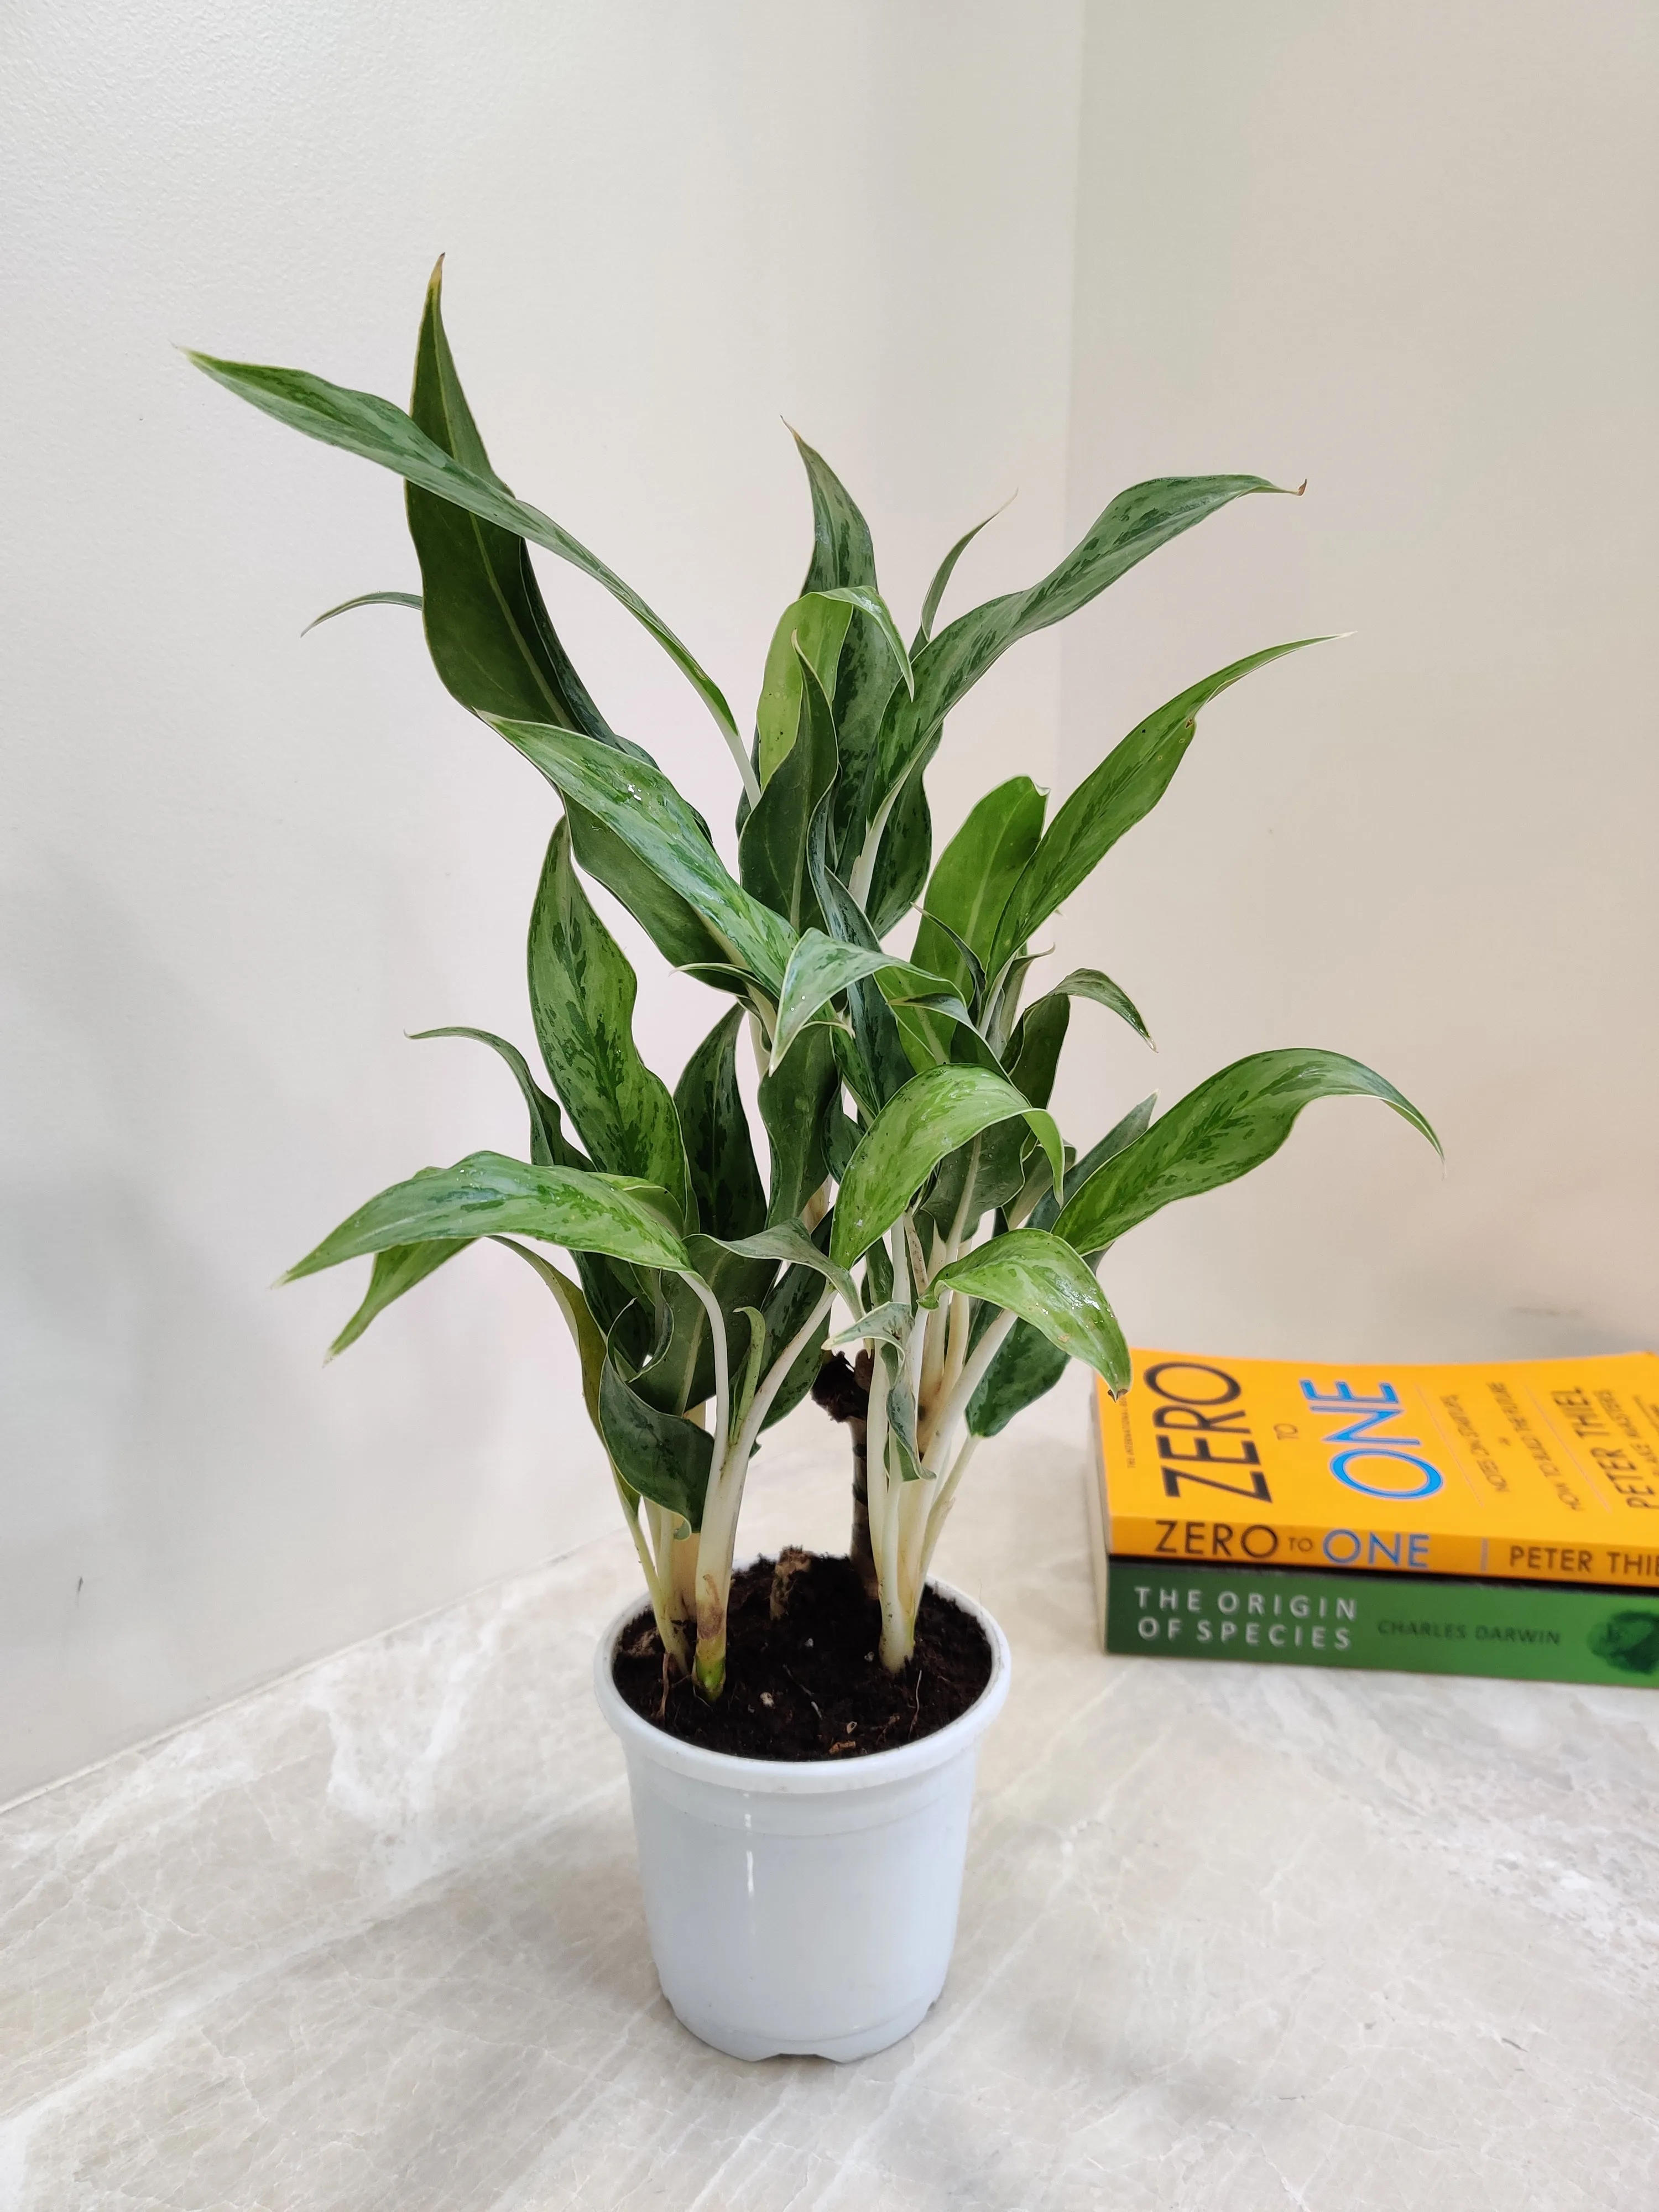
(1530, 1632)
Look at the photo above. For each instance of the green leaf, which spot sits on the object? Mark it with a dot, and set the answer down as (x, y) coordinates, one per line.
(794, 1100)
(1088, 983)
(360, 422)
(1026, 1364)
(639, 804)
(671, 923)
(900, 1417)
(772, 845)
(680, 1372)
(901, 864)
(1126, 787)
(487, 626)
(1033, 1273)
(1138, 521)
(933, 1115)
(662, 1455)
(1035, 1058)
(892, 1322)
(976, 871)
(725, 1180)
(999, 1176)
(581, 995)
(495, 647)
(788, 1242)
(487, 1194)
(809, 629)
(609, 1289)
(396, 1269)
(548, 1146)
(749, 1382)
(1134, 1123)
(821, 967)
(843, 556)
(841, 551)
(1228, 1125)
(873, 1062)
(791, 1306)
(363, 599)
(942, 576)
(584, 1331)
(868, 601)
(1026, 1367)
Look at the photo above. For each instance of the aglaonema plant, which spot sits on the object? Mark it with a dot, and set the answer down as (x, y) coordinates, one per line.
(915, 1177)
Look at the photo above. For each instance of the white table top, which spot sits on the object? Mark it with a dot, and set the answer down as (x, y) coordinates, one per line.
(1231, 1938)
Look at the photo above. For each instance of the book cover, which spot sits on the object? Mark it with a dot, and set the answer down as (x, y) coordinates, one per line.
(1543, 1470)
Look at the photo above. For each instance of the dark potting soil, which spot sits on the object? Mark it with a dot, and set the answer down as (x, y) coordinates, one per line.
(803, 1677)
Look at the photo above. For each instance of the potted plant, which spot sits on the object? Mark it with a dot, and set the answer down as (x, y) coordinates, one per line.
(801, 1843)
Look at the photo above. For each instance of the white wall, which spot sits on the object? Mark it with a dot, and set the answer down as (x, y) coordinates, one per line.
(1407, 253)
(237, 866)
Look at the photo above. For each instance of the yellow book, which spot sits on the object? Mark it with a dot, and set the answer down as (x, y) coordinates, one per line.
(1544, 1470)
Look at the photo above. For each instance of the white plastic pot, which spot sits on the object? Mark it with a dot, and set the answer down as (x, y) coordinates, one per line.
(804, 1906)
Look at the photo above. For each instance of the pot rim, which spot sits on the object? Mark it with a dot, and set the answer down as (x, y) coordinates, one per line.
(803, 1778)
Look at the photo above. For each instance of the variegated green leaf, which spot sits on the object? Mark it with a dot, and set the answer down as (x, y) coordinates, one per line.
(1228, 1125)
(809, 629)
(933, 1115)
(1034, 1057)
(725, 1182)
(396, 1269)
(794, 1100)
(487, 1194)
(821, 967)
(1137, 522)
(867, 600)
(581, 995)
(662, 1455)
(772, 843)
(363, 599)
(1034, 1273)
(549, 1145)
(974, 875)
(639, 807)
(363, 423)
(942, 576)
(841, 555)
(788, 1242)
(1027, 1365)
(1087, 983)
(585, 1332)
(797, 1296)
(1126, 787)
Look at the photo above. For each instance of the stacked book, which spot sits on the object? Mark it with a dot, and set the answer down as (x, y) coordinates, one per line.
(1498, 1519)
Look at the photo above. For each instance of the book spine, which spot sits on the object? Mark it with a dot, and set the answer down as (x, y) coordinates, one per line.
(1525, 1631)
(1403, 1551)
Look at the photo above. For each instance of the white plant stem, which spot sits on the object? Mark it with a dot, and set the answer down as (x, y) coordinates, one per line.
(956, 1402)
(944, 1498)
(897, 1635)
(739, 753)
(875, 1483)
(711, 1306)
(718, 1537)
(660, 1585)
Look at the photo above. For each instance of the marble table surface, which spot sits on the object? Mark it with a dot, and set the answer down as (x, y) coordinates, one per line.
(1233, 1937)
